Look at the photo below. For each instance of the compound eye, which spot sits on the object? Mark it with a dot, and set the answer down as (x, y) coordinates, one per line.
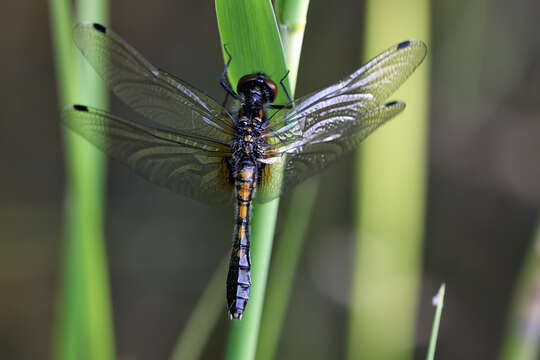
(246, 81)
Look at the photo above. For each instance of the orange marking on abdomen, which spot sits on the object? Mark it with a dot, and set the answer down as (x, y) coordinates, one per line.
(242, 211)
(246, 185)
(244, 194)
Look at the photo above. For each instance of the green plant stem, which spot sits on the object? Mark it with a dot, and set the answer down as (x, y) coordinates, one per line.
(249, 30)
(291, 16)
(438, 301)
(522, 340)
(390, 200)
(84, 326)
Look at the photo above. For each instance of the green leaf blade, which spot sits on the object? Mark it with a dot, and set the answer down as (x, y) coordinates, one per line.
(249, 30)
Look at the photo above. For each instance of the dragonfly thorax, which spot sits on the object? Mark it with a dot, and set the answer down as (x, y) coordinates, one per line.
(247, 142)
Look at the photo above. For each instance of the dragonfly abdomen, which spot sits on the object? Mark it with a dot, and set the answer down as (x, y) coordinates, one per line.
(239, 277)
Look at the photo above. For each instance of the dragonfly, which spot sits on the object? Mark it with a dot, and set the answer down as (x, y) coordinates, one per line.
(195, 146)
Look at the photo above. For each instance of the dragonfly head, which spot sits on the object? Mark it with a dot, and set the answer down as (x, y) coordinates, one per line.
(257, 85)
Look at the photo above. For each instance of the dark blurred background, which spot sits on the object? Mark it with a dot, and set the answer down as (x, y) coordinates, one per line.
(483, 195)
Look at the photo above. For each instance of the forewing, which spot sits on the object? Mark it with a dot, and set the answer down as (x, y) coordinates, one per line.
(365, 89)
(164, 99)
(307, 159)
(169, 159)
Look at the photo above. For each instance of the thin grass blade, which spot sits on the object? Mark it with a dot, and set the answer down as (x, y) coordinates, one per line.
(438, 302)
(203, 318)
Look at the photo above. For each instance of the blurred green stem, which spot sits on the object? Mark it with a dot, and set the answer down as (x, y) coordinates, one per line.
(203, 318)
(84, 324)
(522, 336)
(390, 200)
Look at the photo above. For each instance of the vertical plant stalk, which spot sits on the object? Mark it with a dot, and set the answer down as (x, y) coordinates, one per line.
(291, 16)
(203, 318)
(522, 339)
(249, 30)
(84, 324)
(391, 172)
(438, 302)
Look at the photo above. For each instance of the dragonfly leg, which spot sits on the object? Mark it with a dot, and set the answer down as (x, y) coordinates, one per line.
(290, 104)
(223, 79)
(284, 88)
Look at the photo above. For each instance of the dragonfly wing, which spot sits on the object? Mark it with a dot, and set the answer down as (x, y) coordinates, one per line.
(328, 123)
(161, 97)
(305, 159)
(366, 88)
(172, 160)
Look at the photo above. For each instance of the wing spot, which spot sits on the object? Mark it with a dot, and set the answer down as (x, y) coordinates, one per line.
(403, 44)
(80, 108)
(100, 28)
(391, 103)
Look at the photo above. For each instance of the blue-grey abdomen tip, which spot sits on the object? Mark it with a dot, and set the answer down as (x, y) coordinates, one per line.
(235, 316)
